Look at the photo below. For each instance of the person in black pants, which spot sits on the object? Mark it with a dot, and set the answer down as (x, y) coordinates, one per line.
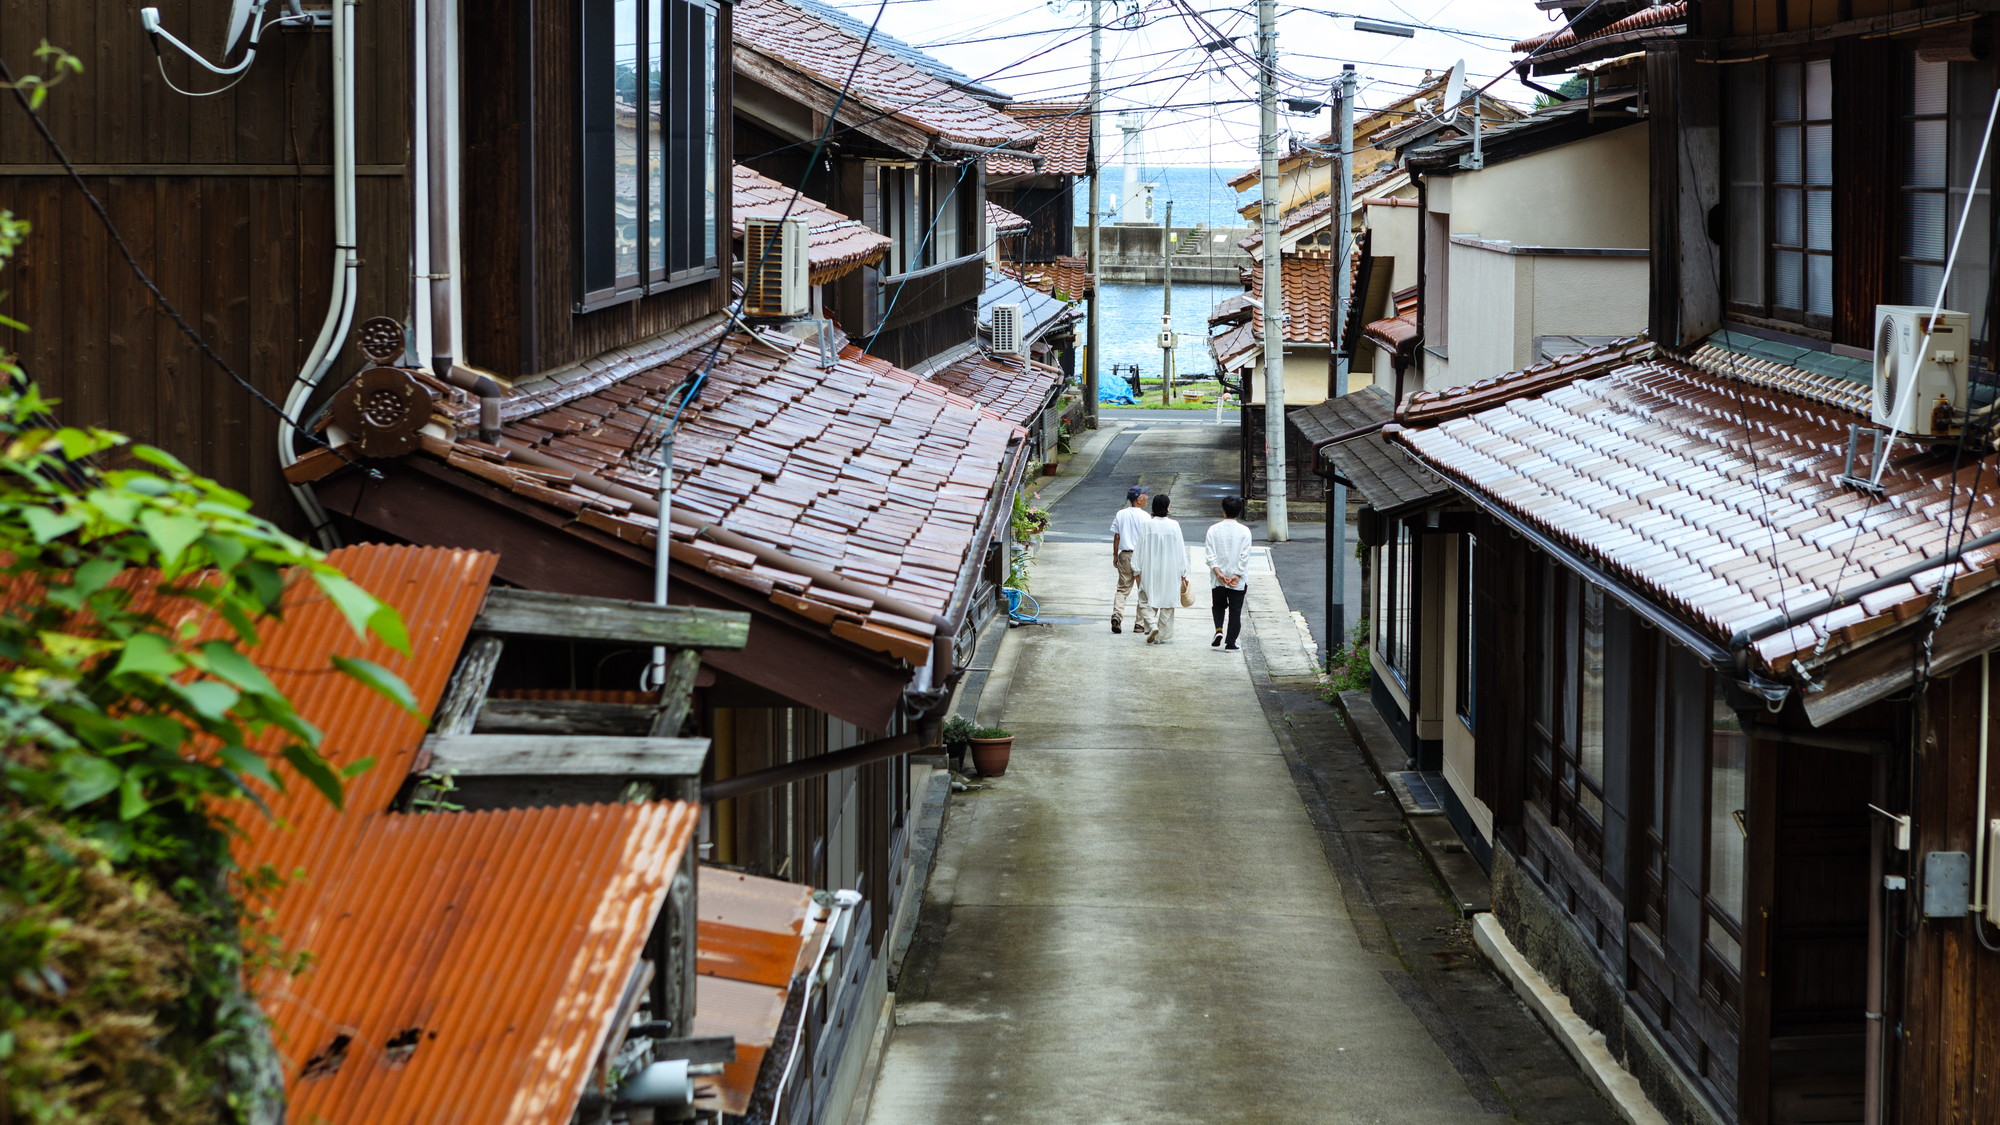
(1228, 561)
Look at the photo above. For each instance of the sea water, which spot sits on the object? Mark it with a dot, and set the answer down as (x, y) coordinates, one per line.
(1131, 310)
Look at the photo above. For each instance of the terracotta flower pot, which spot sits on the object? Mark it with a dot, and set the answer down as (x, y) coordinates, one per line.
(989, 755)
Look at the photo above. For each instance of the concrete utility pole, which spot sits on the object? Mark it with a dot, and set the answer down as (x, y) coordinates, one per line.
(1167, 307)
(1095, 310)
(1336, 510)
(1276, 527)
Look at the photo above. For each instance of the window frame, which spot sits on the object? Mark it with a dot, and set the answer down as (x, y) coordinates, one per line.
(1568, 795)
(1974, 268)
(675, 223)
(1395, 614)
(1761, 228)
(1466, 703)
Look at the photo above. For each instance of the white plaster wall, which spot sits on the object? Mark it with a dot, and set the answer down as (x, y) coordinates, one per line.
(1305, 377)
(1488, 317)
(1584, 296)
(1593, 192)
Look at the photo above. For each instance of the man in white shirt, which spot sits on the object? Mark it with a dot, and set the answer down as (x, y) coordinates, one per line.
(1228, 562)
(1161, 559)
(1125, 528)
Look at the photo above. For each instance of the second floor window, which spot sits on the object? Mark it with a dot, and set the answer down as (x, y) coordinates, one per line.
(1944, 113)
(648, 176)
(923, 211)
(1780, 193)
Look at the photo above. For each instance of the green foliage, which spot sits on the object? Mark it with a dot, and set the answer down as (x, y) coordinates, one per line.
(958, 730)
(1028, 520)
(990, 732)
(60, 63)
(132, 728)
(1347, 666)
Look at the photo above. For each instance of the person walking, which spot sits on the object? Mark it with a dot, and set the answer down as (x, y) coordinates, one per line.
(1228, 563)
(1162, 562)
(1125, 527)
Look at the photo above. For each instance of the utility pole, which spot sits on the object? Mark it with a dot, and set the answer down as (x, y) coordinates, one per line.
(1336, 509)
(1167, 307)
(1095, 309)
(1276, 527)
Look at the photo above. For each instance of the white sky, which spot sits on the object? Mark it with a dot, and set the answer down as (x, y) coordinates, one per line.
(1041, 50)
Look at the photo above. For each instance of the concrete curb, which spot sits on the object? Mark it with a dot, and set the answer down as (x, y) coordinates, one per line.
(999, 681)
(1584, 1043)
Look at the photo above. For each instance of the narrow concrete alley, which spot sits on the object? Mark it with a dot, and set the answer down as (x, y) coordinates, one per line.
(1139, 922)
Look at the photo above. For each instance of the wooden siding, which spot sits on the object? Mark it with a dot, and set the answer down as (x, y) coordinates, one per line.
(1052, 211)
(521, 125)
(1944, 1068)
(225, 201)
(1865, 207)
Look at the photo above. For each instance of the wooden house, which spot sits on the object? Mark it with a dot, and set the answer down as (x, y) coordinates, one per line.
(1720, 714)
(534, 257)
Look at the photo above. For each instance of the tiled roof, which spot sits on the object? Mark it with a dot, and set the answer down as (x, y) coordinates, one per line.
(1040, 312)
(1455, 402)
(1397, 334)
(1068, 278)
(1308, 288)
(929, 64)
(1386, 476)
(1065, 144)
(1717, 499)
(883, 84)
(1016, 389)
(1004, 221)
(464, 963)
(1319, 209)
(1552, 45)
(863, 469)
(753, 936)
(837, 244)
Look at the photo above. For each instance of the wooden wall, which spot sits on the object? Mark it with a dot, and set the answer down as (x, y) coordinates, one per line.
(225, 201)
(1948, 1064)
(521, 211)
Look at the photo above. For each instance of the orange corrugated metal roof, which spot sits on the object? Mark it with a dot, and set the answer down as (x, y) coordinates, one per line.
(471, 960)
(493, 946)
(754, 936)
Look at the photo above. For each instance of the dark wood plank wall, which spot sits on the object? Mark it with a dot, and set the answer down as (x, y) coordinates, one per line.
(1948, 1064)
(521, 206)
(225, 201)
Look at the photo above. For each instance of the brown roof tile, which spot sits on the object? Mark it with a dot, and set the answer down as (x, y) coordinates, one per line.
(1713, 496)
(839, 468)
(837, 244)
(1066, 278)
(878, 83)
(1004, 221)
(1065, 143)
(1014, 388)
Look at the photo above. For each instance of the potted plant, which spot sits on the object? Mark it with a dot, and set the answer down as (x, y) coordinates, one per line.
(955, 737)
(991, 747)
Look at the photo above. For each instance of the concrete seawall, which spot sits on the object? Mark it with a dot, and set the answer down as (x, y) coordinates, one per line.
(1201, 255)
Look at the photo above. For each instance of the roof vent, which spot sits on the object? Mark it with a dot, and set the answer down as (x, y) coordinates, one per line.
(777, 278)
(1007, 329)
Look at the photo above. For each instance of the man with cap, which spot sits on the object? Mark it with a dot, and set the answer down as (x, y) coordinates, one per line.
(1125, 527)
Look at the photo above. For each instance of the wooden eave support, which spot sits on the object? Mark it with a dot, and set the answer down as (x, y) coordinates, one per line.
(536, 613)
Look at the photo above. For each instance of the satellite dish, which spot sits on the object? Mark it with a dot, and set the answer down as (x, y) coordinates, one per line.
(1454, 90)
(240, 12)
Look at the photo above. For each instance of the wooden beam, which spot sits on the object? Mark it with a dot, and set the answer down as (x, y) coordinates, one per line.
(537, 613)
(676, 694)
(564, 716)
(535, 755)
(458, 709)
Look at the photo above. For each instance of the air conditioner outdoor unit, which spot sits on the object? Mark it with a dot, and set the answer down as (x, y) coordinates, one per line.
(777, 273)
(1007, 329)
(1919, 368)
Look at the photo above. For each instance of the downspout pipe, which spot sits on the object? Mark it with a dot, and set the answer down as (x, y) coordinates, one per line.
(346, 266)
(439, 54)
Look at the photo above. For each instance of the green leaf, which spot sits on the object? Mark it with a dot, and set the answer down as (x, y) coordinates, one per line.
(45, 524)
(148, 654)
(171, 534)
(95, 575)
(356, 769)
(162, 731)
(209, 699)
(226, 663)
(250, 764)
(364, 612)
(227, 550)
(132, 800)
(384, 682)
(160, 457)
(86, 777)
(314, 769)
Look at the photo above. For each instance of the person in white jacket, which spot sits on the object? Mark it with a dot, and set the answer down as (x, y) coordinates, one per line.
(1228, 563)
(1161, 559)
